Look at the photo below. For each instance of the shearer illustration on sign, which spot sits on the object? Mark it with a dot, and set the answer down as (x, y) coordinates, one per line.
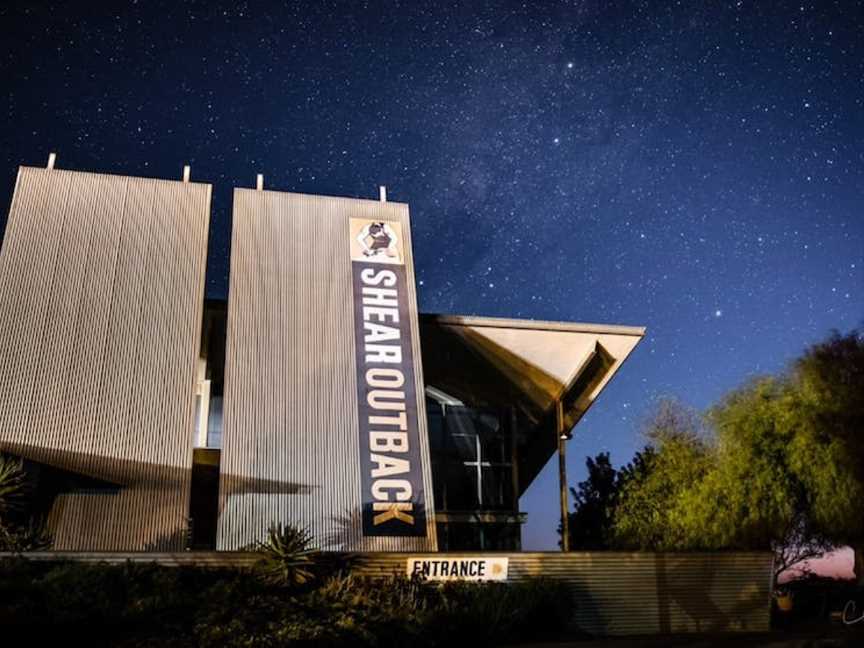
(379, 242)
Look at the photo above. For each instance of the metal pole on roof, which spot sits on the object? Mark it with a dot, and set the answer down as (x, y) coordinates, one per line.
(561, 438)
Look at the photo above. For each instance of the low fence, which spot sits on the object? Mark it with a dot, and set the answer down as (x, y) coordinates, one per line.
(614, 593)
(642, 593)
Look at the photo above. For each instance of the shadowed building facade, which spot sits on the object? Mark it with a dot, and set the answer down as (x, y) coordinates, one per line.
(324, 417)
(317, 395)
(101, 288)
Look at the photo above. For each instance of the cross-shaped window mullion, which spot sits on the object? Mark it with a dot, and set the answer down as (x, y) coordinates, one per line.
(479, 464)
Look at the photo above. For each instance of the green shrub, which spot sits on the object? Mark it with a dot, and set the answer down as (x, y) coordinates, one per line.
(502, 612)
(32, 536)
(148, 605)
(17, 535)
(288, 559)
(379, 612)
(11, 485)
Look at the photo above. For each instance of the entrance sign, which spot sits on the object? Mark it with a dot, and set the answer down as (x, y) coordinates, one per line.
(443, 568)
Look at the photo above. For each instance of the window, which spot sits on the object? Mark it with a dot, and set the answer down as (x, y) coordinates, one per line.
(472, 461)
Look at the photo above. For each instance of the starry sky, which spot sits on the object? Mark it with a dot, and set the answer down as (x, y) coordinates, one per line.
(692, 167)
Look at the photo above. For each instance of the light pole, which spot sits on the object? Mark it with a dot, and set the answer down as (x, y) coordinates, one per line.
(561, 437)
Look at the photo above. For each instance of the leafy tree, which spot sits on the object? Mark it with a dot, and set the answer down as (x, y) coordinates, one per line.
(781, 465)
(753, 497)
(652, 498)
(826, 410)
(594, 501)
(639, 466)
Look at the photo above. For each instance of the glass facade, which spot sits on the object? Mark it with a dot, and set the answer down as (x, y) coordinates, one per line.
(475, 475)
(472, 458)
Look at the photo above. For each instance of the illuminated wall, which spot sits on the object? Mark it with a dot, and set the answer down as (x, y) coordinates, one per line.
(101, 289)
(324, 421)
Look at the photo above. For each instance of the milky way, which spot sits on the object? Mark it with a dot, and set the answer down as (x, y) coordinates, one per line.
(696, 170)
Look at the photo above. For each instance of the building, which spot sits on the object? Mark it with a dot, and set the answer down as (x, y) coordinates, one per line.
(149, 419)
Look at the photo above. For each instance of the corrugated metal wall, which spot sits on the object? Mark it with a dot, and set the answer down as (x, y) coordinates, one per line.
(641, 593)
(614, 593)
(101, 292)
(291, 441)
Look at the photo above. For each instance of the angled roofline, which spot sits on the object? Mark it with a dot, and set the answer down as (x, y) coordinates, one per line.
(377, 201)
(536, 325)
(113, 175)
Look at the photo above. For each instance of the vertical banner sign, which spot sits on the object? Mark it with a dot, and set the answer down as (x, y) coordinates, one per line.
(392, 482)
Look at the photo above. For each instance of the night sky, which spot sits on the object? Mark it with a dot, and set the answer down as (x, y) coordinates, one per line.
(697, 170)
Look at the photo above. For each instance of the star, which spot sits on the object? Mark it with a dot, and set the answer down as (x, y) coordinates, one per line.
(751, 197)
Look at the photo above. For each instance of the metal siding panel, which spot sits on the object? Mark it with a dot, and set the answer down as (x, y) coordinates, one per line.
(614, 593)
(641, 593)
(101, 297)
(290, 418)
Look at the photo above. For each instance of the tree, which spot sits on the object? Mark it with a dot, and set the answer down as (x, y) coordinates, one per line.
(827, 413)
(793, 455)
(781, 465)
(754, 497)
(594, 501)
(653, 490)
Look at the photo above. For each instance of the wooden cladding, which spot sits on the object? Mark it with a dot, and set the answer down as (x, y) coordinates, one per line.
(101, 292)
(290, 445)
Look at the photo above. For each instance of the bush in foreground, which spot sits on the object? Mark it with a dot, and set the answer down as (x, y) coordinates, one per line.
(147, 605)
(288, 556)
(18, 532)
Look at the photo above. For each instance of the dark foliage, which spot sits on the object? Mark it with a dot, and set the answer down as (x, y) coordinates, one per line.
(594, 504)
(777, 463)
(30, 536)
(146, 605)
(288, 558)
(595, 499)
(18, 532)
(11, 485)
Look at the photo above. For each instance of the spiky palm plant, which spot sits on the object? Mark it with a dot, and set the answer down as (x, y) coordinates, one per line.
(11, 484)
(33, 536)
(14, 536)
(288, 559)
